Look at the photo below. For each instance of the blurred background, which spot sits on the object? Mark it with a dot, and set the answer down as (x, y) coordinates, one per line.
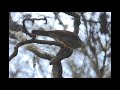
(94, 31)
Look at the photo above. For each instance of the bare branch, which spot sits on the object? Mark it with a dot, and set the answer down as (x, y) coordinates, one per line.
(60, 21)
(76, 20)
(32, 20)
(32, 41)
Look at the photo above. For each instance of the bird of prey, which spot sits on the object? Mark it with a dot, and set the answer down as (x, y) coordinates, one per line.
(68, 38)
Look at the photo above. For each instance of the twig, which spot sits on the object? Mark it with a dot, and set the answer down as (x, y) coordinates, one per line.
(32, 20)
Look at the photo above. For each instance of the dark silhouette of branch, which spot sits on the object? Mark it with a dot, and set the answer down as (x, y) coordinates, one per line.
(32, 20)
(57, 17)
(76, 20)
(74, 14)
(103, 67)
(92, 21)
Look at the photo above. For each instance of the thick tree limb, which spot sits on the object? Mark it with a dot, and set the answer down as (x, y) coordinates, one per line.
(57, 70)
(57, 66)
(33, 41)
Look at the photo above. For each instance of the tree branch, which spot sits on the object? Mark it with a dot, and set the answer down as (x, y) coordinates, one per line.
(76, 20)
(57, 70)
(33, 41)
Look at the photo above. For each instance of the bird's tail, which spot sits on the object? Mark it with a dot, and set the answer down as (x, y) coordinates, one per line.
(38, 32)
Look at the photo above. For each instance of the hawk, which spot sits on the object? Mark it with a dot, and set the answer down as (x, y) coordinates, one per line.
(68, 38)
